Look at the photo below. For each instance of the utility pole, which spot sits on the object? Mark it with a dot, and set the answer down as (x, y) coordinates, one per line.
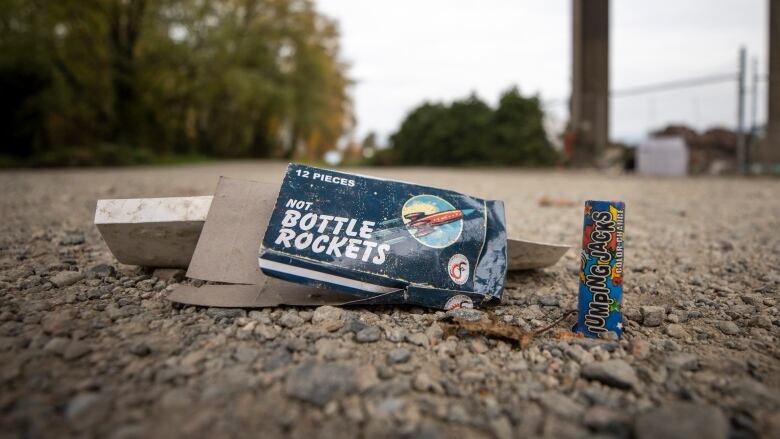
(753, 116)
(589, 120)
(741, 153)
(770, 153)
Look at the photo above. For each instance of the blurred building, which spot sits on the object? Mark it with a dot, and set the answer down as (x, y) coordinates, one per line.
(665, 155)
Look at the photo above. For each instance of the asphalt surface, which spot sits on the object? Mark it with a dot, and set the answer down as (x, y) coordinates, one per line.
(91, 348)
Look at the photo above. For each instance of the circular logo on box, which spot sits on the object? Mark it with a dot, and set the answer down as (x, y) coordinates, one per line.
(432, 221)
(459, 302)
(458, 269)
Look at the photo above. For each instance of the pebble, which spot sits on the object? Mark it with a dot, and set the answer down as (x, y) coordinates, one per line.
(290, 320)
(682, 361)
(319, 383)
(548, 300)
(639, 348)
(369, 334)
(761, 321)
(418, 339)
(616, 373)
(84, 408)
(652, 315)
(66, 278)
(331, 325)
(76, 349)
(169, 274)
(72, 239)
(676, 330)
(103, 271)
(466, 314)
(327, 312)
(57, 345)
(60, 323)
(225, 313)
(727, 327)
(140, 349)
(682, 421)
(398, 356)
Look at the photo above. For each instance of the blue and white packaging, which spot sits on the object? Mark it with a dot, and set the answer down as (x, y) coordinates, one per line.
(385, 242)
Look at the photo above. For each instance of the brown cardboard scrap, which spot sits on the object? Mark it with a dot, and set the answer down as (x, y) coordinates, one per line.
(227, 252)
(274, 293)
(230, 239)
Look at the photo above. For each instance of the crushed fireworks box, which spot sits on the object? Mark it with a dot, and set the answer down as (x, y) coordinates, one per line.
(385, 242)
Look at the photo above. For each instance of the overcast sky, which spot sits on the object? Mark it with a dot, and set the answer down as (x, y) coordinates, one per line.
(406, 52)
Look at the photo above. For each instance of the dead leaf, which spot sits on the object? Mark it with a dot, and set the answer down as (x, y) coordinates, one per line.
(491, 327)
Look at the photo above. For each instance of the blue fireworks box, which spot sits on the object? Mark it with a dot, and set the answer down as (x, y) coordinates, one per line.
(385, 242)
(601, 270)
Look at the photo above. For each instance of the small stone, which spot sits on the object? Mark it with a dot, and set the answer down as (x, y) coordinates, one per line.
(676, 330)
(331, 325)
(761, 321)
(58, 323)
(579, 354)
(682, 361)
(466, 314)
(353, 324)
(290, 320)
(95, 294)
(103, 270)
(398, 356)
(478, 346)
(397, 334)
(85, 408)
(56, 345)
(727, 327)
(616, 373)
(260, 317)
(267, 332)
(319, 383)
(423, 382)
(327, 312)
(169, 274)
(548, 300)
(72, 239)
(140, 349)
(418, 339)
(369, 334)
(276, 360)
(639, 348)
(225, 313)
(66, 278)
(76, 349)
(652, 315)
(682, 421)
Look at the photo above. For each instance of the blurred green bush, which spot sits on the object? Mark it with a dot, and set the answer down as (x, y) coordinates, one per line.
(469, 132)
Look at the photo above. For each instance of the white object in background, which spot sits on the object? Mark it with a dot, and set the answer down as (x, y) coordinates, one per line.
(667, 156)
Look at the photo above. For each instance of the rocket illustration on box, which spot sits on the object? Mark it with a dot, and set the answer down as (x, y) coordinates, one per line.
(422, 224)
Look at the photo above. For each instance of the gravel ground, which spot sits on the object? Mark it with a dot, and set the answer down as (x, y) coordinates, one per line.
(92, 348)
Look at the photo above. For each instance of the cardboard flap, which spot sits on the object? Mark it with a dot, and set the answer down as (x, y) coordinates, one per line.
(273, 293)
(236, 222)
(529, 255)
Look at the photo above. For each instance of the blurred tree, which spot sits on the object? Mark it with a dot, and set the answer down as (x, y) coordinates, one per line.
(469, 132)
(235, 78)
(518, 136)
